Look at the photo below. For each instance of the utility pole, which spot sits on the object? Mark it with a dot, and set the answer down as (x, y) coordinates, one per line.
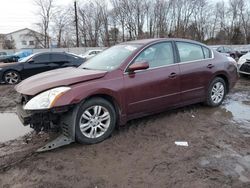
(76, 21)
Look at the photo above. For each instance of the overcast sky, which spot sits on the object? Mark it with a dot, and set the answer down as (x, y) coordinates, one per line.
(18, 14)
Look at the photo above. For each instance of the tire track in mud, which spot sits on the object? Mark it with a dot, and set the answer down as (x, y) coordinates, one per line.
(11, 164)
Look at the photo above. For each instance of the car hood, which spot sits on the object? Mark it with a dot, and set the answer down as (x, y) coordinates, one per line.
(56, 78)
(246, 56)
(2, 65)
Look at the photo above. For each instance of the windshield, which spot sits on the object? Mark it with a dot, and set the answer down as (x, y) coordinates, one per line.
(111, 58)
(26, 58)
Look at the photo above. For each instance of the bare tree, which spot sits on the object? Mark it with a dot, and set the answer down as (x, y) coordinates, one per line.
(227, 21)
(244, 12)
(119, 15)
(62, 20)
(90, 22)
(45, 11)
(8, 43)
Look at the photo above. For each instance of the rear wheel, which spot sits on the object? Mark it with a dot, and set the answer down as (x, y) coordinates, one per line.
(12, 77)
(95, 122)
(216, 92)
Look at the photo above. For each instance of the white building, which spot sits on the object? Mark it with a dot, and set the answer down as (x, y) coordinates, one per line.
(25, 38)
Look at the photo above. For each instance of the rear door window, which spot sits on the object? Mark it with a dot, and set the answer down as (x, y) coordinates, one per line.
(58, 58)
(189, 52)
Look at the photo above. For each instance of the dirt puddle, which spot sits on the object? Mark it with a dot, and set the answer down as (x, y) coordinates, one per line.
(11, 127)
(228, 159)
(239, 106)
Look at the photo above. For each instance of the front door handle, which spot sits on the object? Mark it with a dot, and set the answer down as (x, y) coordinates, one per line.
(172, 75)
(210, 66)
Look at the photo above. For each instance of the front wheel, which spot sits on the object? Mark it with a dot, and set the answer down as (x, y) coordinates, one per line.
(216, 92)
(96, 120)
(12, 77)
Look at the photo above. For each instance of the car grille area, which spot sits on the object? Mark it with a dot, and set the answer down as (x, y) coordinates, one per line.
(245, 67)
(23, 99)
(38, 120)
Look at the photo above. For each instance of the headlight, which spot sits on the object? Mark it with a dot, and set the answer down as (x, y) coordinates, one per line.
(46, 99)
(241, 61)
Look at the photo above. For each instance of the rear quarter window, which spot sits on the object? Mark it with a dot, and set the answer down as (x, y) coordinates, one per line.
(207, 52)
(73, 58)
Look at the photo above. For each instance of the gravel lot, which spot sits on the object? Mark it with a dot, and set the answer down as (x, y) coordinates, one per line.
(143, 153)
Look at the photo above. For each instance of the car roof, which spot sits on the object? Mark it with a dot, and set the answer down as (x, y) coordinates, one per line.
(149, 41)
(50, 53)
(93, 50)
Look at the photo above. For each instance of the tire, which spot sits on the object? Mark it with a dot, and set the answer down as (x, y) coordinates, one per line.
(96, 120)
(216, 92)
(11, 77)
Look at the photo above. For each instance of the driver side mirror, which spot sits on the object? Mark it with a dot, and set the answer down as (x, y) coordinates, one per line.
(138, 66)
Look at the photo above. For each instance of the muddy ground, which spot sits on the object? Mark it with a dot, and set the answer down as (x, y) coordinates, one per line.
(143, 153)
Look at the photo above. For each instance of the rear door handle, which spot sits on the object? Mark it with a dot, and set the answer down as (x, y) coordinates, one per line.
(172, 75)
(210, 66)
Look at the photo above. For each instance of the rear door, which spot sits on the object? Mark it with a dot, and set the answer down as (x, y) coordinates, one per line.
(156, 88)
(58, 60)
(195, 70)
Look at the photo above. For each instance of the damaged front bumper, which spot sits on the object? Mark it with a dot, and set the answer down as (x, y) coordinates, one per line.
(61, 119)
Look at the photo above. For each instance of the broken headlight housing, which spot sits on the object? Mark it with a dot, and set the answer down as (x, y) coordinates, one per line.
(46, 100)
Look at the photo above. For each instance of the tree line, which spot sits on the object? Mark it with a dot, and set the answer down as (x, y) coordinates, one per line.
(108, 22)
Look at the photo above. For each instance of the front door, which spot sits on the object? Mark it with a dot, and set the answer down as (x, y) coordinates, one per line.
(156, 88)
(40, 63)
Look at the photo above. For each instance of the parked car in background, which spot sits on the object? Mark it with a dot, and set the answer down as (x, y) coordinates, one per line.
(12, 73)
(15, 57)
(90, 53)
(9, 58)
(243, 50)
(224, 49)
(23, 54)
(3, 53)
(244, 64)
(127, 81)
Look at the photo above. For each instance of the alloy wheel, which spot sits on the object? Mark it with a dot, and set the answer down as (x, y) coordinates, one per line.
(11, 77)
(95, 121)
(217, 93)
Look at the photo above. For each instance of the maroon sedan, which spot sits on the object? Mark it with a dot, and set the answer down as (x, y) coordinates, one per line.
(126, 81)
